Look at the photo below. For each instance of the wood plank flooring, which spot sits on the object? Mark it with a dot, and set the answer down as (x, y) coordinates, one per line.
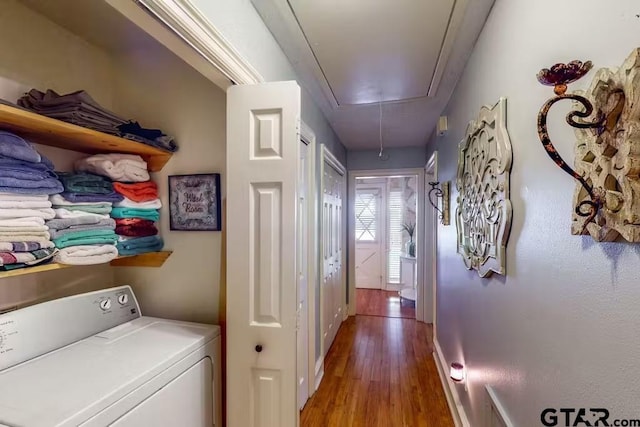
(375, 302)
(379, 372)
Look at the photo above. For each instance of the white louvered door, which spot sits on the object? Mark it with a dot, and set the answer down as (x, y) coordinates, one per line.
(262, 176)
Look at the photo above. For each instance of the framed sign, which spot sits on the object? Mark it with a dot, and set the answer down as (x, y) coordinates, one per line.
(194, 202)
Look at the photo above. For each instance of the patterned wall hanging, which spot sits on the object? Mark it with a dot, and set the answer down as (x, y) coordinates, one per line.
(606, 119)
(483, 215)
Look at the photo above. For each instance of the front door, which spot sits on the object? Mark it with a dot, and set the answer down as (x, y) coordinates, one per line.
(263, 155)
(369, 210)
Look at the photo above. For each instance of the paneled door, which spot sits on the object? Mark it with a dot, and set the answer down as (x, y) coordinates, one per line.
(263, 155)
(303, 280)
(333, 290)
(370, 237)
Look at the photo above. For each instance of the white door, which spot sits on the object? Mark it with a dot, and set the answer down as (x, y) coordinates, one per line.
(303, 282)
(369, 210)
(262, 178)
(333, 292)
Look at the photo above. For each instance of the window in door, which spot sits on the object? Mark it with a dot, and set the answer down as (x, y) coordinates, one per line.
(366, 216)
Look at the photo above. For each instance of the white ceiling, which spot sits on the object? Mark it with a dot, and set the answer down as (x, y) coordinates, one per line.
(352, 54)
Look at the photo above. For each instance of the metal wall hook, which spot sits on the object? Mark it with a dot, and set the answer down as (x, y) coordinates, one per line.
(442, 193)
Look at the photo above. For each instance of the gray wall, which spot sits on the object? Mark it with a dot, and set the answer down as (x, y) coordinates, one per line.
(242, 26)
(398, 158)
(561, 329)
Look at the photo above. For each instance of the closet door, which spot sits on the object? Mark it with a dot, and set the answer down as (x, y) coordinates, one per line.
(262, 176)
(333, 284)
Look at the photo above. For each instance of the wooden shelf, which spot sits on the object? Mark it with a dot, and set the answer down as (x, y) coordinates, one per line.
(47, 131)
(151, 259)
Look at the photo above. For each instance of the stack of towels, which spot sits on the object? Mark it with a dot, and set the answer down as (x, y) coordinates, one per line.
(83, 230)
(26, 181)
(137, 211)
(81, 109)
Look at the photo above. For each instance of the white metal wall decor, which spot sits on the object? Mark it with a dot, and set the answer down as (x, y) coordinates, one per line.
(607, 150)
(483, 215)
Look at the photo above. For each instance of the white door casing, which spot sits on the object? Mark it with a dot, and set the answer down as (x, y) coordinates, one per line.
(262, 166)
(370, 235)
(303, 277)
(431, 244)
(333, 292)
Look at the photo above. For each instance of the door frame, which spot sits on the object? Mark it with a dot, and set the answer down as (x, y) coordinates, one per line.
(420, 247)
(308, 136)
(327, 158)
(382, 227)
(430, 236)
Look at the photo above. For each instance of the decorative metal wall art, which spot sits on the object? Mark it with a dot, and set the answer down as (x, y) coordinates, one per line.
(483, 215)
(607, 149)
(442, 193)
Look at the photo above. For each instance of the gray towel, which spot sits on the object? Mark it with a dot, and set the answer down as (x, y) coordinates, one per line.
(80, 221)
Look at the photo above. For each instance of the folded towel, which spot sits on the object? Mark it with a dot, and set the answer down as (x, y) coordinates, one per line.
(66, 213)
(86, 255)
(142, 228)
(44, 165)
(14, 257)
(21, 186)
(46, 213)
(18, 235)
(55, 234)
(41, 257)
(139, 245)
(13, 146)
(97, 208)
(25, 246)
(59, 201)
(23, 197)
(26, 238)
(84, 183)
(26, 204)
(24, 230)
(138, 191)
(27, 221)
(86, 237)
(92, 197)
(25, 172)
(118, 167)
(150, 214)
(62, 223)
(128, 203)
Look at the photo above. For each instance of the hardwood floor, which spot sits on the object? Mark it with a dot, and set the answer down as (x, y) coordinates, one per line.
(379, 372)
(374, 302)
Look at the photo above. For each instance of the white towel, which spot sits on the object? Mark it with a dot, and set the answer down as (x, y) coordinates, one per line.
(23, 197)
(17, 235)
(46, 213)
(24, 238)
(24, 204)
(118, 167)
(24, 230)
(128, 203)
(66, 213)
(58, 200)
(86, 254)
(27, 221)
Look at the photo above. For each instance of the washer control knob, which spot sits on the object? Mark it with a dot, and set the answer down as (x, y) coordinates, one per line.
(105, 304)
(123, 299)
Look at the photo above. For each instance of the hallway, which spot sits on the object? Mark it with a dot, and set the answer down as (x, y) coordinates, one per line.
(376, 302)
(379, 372)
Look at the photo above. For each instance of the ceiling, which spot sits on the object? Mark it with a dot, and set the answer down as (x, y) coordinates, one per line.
(366, 59)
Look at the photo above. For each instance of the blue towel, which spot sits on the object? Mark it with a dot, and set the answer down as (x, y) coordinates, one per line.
(139, 245)
(25, 172)
(112, 197)
(45, 165)
(27, 186)
(13, 146)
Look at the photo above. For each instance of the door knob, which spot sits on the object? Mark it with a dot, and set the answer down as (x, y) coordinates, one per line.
(259, 348)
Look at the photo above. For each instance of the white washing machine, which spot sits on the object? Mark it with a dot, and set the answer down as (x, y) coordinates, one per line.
(94, 360)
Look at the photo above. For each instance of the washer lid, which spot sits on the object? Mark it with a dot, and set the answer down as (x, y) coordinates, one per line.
(69, 385)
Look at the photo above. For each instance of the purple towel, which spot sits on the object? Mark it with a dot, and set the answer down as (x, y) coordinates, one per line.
(13, 146)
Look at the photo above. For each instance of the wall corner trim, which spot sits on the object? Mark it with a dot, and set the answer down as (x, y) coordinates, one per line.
(195, 29)
(453, 400)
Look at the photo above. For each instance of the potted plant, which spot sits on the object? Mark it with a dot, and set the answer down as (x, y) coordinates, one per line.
(411, 245)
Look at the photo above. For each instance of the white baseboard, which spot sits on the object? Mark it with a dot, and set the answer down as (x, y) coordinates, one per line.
(451, 392)
(319, 372)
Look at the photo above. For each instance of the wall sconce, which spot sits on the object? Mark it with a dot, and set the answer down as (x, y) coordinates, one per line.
(457, 372)
(440, 193)
(559, 76)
